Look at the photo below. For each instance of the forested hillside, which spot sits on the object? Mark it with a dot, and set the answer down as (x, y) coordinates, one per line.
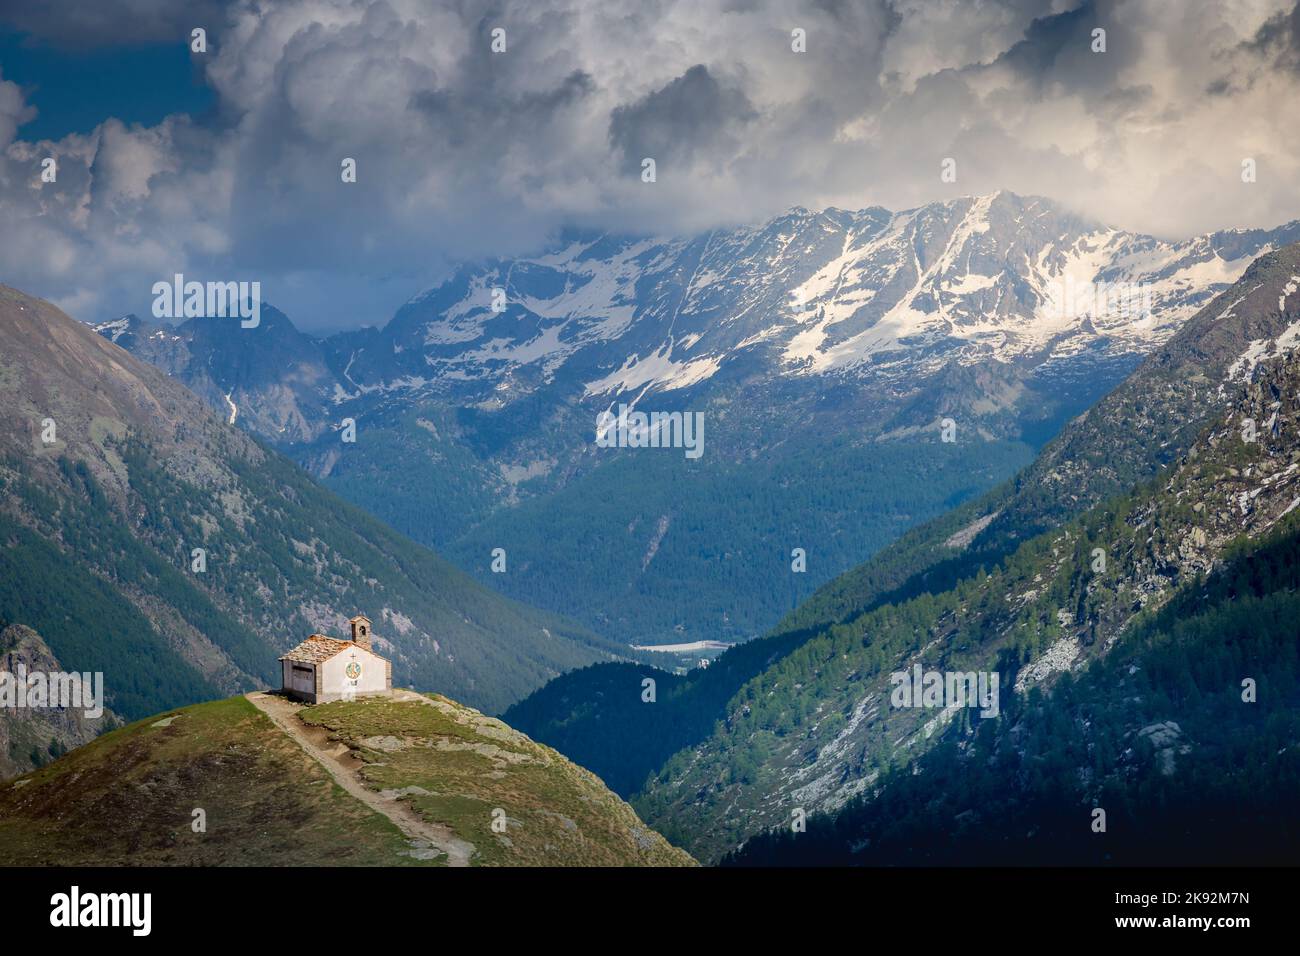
(817, 729)
(637, 551)
(1190, 766)
(1144, 424)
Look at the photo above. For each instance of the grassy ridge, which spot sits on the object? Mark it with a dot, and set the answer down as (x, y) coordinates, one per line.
(128, 799)
(463, 770)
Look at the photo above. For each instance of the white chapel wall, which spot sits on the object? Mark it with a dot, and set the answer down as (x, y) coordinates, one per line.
(372, 679)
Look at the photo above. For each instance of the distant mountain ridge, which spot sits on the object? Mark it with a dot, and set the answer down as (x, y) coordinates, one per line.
(873, 292)
(870, 291)
(278, 379)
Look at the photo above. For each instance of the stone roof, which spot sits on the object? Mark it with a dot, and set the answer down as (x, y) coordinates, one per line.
(318, 648)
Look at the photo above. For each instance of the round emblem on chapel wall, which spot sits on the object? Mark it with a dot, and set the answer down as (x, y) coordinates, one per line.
(353, 670)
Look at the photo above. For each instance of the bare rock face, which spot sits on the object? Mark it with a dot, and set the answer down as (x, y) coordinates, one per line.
(31, 737)
(1167, 739)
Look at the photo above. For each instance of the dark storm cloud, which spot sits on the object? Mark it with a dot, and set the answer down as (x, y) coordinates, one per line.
(1279, 38)
(1059, 49)
(85, 24)
(462, 152)
(461, 120)
(692, 115)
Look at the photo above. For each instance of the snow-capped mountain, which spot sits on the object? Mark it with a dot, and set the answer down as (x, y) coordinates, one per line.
(867, 294)
(875, 293)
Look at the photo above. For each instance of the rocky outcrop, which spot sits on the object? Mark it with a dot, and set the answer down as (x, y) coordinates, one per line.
(31, 737)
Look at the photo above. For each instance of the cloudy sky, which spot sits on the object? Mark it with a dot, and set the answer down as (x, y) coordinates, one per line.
(226, 164)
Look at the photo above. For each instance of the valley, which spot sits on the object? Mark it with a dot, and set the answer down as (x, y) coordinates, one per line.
(823, 349)
(853, 442)
(800, 719)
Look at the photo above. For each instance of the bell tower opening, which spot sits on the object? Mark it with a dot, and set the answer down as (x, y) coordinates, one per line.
(361, 631)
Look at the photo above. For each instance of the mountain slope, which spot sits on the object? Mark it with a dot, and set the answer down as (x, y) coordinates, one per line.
(645, 557)
(1145, 423)
(884, 294)
(598, 716)
(100, 526)
(132, 797)
(276, 377)
(817, 729)
(1158, 734)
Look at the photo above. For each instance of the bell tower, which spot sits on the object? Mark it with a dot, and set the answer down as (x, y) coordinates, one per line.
(361, 631)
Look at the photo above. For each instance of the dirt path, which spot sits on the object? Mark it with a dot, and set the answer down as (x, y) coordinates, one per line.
(343, 766)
